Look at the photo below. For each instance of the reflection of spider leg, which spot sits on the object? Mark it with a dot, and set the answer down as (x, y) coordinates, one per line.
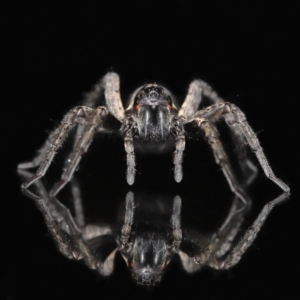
(94, 122)
(176, 223)
(212, 136)
(128, 220)
(94, 244)
(59, 221)
(129, 148)
(197, 90)
(236, 253)
(76, 116)
(98, 238)
(205, 250)
(77, 202)
(222, 242)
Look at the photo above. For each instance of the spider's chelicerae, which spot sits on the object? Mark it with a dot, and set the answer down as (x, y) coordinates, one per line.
(153, 120)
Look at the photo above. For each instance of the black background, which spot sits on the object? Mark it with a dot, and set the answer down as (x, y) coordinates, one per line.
(56, 51)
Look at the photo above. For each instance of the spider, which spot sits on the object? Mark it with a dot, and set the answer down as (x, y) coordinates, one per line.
(148, 234)
(152, 121)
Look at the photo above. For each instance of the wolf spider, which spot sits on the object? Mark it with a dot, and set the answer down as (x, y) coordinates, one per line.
(152, 121)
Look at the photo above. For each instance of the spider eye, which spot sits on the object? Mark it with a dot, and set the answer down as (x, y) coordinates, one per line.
(169, 105)
(137, 107)
(131, 264)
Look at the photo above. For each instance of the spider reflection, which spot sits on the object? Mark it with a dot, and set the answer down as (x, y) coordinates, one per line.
(148, 235)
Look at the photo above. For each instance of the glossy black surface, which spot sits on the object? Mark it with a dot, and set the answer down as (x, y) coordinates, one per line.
(56, 52)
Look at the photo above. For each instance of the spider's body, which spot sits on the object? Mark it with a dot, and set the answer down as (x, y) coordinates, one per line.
(150, 117)
(151, 122)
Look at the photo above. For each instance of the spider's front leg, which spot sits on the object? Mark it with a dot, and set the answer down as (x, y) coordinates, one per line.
(77, 115)
(94, 121)
(110, 83)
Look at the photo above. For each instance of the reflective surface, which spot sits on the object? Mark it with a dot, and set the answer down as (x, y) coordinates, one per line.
(148, 233)
(247, 50)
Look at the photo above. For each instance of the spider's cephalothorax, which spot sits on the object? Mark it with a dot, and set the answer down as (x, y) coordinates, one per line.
(148, 257)
(153, 118)
(153, 111)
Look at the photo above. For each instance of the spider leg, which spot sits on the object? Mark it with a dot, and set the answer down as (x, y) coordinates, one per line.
(46, 154)
(59, 222)
(212, 136)
(239, 122)
(36, 161)
(93, 122)
(197, 90)
(128, 220)
(98, 239)
(77, 202)
(176, 223)
(192, 100)
(93, 244)
(238, 119)
(225, 236)
(235, 254)
(178, 153)
(129, 148)
(204, 249)
(110, 86)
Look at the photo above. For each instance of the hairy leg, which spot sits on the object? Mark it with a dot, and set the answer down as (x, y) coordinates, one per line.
(94, 121)
(46, 154)
(212, 137)
(198, 88)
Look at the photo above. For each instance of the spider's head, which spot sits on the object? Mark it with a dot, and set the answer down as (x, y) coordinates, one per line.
(152, 111)
(148, 258)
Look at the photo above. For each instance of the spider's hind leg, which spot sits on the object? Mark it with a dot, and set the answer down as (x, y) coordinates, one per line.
(239, 123)
(199, 88)
(212, 136)
(238, 119)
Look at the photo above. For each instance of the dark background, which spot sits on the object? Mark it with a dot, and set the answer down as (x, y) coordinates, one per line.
(54, 52)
